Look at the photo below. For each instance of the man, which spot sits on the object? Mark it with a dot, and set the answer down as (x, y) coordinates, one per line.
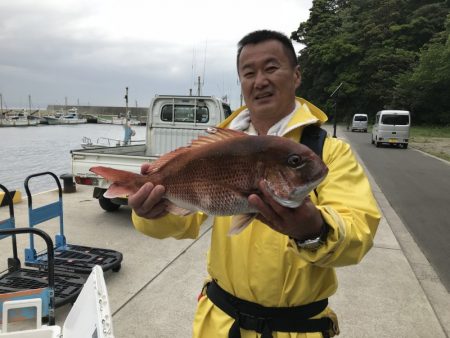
(274, 278)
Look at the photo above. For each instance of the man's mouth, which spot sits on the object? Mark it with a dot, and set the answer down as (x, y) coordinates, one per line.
(263, 96)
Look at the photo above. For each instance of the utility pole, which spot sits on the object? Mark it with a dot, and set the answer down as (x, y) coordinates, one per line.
(335, 108)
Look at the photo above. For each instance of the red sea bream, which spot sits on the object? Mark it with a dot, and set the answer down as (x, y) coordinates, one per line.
(216, 173)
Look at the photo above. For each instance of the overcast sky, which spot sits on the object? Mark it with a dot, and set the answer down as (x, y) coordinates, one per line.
(90, 50)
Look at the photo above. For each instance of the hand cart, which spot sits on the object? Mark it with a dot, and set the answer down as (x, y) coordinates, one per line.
(20, 282)
(68, 257)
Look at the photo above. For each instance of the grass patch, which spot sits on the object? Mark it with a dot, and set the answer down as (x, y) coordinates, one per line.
(430, 131)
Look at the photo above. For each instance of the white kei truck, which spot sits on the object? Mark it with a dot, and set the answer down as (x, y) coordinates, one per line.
(172, 122)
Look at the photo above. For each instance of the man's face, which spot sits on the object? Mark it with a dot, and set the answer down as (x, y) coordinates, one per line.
(268, 79)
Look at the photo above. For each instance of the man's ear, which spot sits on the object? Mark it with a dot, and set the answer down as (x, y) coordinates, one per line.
(297, 76)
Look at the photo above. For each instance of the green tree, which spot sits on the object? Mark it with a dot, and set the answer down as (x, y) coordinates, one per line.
(425, 88)
(367, 45)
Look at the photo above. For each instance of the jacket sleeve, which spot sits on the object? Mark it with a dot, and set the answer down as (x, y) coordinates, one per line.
(170, 225)
(347, 205)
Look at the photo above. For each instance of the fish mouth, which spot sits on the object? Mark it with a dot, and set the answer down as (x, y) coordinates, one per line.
(297, 195)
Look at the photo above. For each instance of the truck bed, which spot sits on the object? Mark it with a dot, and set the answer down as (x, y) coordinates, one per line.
(129, 158)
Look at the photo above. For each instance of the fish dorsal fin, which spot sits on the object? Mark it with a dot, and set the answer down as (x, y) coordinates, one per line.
(214, 135)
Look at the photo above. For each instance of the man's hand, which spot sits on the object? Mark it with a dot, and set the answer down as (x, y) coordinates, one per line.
(148, 201)
(303, 222)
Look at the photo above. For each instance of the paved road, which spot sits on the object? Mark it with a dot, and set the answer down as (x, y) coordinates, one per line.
(418, 188)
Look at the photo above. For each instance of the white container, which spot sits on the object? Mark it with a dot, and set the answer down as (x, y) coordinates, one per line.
(90, 316)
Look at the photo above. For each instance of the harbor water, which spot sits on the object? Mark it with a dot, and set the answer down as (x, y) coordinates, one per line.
(30, 150)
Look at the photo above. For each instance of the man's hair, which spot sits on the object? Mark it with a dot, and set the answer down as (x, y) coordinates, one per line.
(266, 35)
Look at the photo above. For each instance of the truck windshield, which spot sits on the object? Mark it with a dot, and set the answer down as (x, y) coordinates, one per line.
(360, 118)
(395, 119)
(185, 113)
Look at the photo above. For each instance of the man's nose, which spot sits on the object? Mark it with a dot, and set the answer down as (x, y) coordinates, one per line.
(261, 79)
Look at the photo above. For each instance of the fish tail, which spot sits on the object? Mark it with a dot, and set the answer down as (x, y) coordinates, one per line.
(123, 182)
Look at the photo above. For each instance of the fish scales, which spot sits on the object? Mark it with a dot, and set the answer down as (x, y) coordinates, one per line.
(218, 184)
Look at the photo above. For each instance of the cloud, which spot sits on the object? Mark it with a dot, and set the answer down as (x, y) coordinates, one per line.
(91, 50)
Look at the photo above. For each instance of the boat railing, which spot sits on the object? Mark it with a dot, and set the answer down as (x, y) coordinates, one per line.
(107, 142)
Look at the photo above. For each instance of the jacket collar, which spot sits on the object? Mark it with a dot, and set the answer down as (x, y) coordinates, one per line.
(306, 114)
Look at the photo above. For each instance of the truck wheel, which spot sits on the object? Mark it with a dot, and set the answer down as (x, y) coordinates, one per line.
(405, 145)
(372, 141)
(377, 144)
(107, 204)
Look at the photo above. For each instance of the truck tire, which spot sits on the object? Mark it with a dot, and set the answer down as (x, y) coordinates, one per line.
(107, 205)
(377, 144)
(405, 145)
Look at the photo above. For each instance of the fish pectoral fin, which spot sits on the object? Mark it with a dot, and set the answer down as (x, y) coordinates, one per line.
(118, 190)
(240, 222)
(176, 210)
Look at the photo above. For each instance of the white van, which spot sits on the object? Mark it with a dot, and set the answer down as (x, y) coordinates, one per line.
(392, 127)
(359, 122)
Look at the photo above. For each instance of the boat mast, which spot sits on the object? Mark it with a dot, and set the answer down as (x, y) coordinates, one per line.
(29, 104)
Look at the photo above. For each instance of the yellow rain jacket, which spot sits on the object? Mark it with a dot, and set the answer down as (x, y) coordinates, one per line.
(266, 267)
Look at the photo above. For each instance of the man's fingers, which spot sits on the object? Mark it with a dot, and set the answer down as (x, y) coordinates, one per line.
(137, 199)
(157, 211)
(265, 210)
(155, 196)
(147, 201)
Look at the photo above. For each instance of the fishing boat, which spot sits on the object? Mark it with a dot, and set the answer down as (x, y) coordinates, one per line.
(71, 117)
(101, 119)
(17, 119)
(124, 120)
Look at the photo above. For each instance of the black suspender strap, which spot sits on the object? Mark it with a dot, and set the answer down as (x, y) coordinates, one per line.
(265, 320)
(313, 137)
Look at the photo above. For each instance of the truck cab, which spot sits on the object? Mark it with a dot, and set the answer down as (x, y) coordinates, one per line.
(174, 121)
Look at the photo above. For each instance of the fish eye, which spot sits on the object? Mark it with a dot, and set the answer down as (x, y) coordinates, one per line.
(294, 161)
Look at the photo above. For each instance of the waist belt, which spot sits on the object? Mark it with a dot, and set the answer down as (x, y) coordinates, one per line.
(265, 320)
